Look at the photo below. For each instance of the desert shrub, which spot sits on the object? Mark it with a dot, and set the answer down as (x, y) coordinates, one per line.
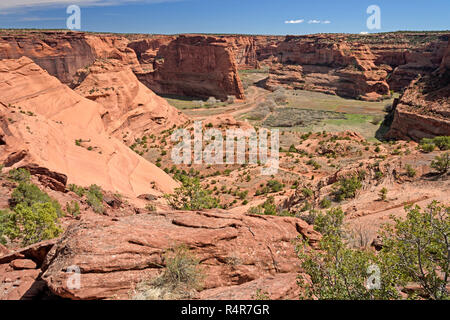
(441, 163)
(427, 147)
(415, 248)
(442, 142)
(94, 198)
(80, 191)
(262, 110)
(346, 188)
(211, 101)
(314, 163)
(383, 194)
(191, 196)
(307, 193)
(309, 217)
(150, 207)
(19, 175)
(410, 171)
(28, 194)
(268, 208)
(325, 203)
(29, 224)
(336, 271)
(181, 275)
(275, 186)
(73, 208)
(231, 99)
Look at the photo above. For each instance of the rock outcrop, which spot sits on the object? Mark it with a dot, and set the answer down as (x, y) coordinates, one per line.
(46, 124)
(423, 110)
(233, 250)
(130, 109)
(355, 66)
(198, 66)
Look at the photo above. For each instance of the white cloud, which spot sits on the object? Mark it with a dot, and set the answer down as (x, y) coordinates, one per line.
(6, 5)
(294, 21)
(326, 22)
(313, 21)
(28, 19)
(363, 32)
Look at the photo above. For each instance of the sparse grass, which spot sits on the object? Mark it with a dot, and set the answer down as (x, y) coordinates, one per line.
(181, 276)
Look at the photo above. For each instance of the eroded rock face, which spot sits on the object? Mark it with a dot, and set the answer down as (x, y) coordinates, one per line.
(198, 66)
(42, 120)
(131, 109)
(234, 249)
(423, 111)
(364, 67)
(60, 53)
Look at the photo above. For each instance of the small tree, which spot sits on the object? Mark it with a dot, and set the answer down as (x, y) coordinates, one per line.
(441, 163)
(191, 196)
(383, 194)
(30, 224)
(416, 249)
(336, 271)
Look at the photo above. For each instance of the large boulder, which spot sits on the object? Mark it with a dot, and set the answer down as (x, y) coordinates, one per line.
(114, 255)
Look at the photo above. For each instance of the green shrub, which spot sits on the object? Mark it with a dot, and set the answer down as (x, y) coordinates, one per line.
(325, 203)
(30, 224)
(29, 194)
(383, 194)
(441, 163)
(307, 193)
(181, 275)
(410, 172)
(19, 175)
(150, 207)
(80, 191)
(415, 249)
(442, 142)
(191, 196)
(274, 185)
(428, 147)
(335, 271)
(346, 188)
(94, 198)
(73, 208)
(268, 208)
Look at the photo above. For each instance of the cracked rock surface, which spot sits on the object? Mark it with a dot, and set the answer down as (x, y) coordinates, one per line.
(114, 254)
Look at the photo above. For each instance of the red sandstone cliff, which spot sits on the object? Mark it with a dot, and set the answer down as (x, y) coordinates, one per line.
(424, 109)
(199, 66)
(62, 54)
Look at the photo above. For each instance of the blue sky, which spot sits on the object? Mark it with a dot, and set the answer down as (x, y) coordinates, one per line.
(227, 16)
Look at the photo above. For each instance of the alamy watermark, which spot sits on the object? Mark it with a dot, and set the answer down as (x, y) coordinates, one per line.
(73, 282)
(73, 22)
(211, 147)
(374, 280)
(374, 20)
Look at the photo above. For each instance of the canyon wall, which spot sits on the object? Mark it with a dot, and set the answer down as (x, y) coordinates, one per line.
(423, 111)
(61, 53)
(366, 67)
(198, 66)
